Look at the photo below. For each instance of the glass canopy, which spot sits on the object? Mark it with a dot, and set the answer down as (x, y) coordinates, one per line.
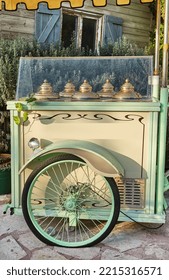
(96, 70)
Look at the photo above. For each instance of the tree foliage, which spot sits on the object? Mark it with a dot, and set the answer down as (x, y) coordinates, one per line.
(151, 46)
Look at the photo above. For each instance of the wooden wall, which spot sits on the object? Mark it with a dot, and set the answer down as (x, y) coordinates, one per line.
(137, 20)
(17, 23)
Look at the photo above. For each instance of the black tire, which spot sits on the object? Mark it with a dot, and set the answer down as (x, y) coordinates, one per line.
(64, 200)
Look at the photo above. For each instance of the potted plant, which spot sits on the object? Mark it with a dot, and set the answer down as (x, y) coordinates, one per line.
(5, 158)
(5, 174)
(5, 94)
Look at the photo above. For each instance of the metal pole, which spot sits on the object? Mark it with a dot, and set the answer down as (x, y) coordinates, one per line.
(157, 45)
(163, 118)
(165, 46)
(161, 150)
(156, 77)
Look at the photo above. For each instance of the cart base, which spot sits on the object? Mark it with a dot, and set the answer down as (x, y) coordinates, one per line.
(123, 217)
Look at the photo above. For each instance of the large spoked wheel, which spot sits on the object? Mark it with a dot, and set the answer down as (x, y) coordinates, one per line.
(66, 203)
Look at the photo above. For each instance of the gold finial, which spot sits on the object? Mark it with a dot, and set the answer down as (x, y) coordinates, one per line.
(127, 86)
(85, 92)
(45, 92)
(69, 89)
(45, 88)
(85, 87)
(107, 90)
(127, 91)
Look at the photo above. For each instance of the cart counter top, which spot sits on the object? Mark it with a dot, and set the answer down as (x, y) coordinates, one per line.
(63, 105)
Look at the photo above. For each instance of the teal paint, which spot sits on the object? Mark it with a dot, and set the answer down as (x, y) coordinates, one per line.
(161, 151)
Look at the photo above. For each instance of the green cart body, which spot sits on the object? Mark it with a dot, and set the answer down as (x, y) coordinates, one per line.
(99, 161)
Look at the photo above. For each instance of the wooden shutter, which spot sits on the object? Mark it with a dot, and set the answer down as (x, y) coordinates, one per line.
(112, 29)
(48, 25)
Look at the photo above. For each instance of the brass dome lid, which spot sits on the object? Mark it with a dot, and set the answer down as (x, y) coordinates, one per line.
(107, 90)
(45, 92)
(69, 90)
(127, 91)
(85, 92)
(127, 86)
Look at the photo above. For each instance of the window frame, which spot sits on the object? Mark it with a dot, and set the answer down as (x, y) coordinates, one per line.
(84, 14)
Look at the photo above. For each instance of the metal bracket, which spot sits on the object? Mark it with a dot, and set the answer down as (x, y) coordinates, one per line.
(153, 80)
(8, 206)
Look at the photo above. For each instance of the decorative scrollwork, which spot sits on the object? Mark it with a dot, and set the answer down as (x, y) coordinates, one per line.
(96, 117)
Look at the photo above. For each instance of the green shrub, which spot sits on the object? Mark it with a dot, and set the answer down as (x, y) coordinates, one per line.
(12, 50)
(123, 47)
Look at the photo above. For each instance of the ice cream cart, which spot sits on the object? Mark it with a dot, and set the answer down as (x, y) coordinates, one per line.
(90, 150)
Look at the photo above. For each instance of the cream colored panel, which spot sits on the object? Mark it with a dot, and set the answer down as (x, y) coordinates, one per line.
(126, 134)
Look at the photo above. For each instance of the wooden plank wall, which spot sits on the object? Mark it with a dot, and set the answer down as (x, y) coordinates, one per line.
(17, 23)
(137, 20)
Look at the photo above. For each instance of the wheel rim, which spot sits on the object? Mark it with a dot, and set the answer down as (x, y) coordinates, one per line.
(69, 204)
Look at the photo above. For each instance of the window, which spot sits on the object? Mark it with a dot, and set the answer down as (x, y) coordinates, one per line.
(69, 25)
(85, 26)
(89, 33)
(90, 29)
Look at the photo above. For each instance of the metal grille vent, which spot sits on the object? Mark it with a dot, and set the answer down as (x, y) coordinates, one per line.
(132, 192)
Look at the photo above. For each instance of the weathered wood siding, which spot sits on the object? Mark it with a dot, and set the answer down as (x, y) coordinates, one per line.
(17, 23)
(137, 20)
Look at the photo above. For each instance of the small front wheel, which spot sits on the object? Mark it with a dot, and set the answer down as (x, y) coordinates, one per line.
(66, 203)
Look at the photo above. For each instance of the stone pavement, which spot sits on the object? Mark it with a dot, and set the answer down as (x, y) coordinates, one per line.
(128, 241)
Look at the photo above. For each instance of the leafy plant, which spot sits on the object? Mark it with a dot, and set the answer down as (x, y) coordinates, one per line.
(4, 131)
(123, 47)
(21, 119)
(151, 46)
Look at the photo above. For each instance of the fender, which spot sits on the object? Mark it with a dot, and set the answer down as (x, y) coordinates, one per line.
(99, 158)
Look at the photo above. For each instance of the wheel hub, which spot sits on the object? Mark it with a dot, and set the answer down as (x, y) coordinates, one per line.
(70, 204)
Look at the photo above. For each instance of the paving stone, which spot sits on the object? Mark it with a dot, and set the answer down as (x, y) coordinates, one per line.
(162, 231)
(10, 249)
(30, 241)
(110, 254)
(157, 252)
(47, 254)
(138, 253)
(124, 241)
(127, 241)
(11, 223)
(80, 253)
(115, 255)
